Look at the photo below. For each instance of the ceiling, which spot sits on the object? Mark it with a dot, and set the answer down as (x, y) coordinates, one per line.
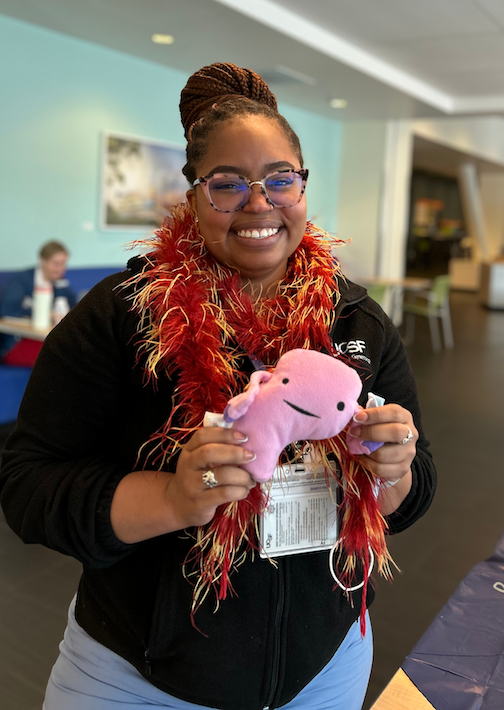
(386, 58)
(442, 160)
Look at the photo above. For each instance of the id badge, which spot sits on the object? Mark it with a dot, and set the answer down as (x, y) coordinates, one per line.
(301, 515)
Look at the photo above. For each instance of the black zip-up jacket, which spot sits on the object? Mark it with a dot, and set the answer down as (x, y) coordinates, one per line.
(84, 416)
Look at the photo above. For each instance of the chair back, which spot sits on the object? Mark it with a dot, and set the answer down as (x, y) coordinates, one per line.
(440, 289)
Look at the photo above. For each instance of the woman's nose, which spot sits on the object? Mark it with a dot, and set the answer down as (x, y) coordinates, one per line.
(257, 202)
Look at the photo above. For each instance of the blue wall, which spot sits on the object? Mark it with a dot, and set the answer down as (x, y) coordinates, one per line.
(59, 95)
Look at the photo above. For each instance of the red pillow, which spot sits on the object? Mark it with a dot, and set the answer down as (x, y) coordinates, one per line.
(23, 353)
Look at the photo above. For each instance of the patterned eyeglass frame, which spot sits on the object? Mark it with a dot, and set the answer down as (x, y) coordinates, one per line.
(203, 182)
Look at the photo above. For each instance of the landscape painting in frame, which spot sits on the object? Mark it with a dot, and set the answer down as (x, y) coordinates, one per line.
(142, 179)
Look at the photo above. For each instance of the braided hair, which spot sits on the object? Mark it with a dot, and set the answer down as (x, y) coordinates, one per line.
(217, 93)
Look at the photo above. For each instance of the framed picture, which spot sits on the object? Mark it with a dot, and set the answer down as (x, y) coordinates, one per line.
(141, 180)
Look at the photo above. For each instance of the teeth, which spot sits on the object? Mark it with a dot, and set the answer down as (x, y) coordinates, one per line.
(257, 233)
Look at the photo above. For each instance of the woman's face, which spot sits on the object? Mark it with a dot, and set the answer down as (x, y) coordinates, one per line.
(252, 146)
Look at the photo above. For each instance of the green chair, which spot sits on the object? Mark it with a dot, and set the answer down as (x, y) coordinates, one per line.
(377, 292)
(432, 304)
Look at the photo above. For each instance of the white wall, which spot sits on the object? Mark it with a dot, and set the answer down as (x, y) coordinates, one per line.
(360, 195)
(59, 95)
(395, 206)
(492, 198)
(374, 197)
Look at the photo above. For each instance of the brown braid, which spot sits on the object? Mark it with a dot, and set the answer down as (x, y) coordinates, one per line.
(219, 82)
(220, 92)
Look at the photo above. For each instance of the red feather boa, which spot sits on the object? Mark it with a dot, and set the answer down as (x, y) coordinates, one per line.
(196, 322)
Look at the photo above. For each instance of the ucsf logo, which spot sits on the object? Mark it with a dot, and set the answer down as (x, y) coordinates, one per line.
(352, 347)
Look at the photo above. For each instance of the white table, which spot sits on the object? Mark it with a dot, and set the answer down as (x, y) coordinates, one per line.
(23, 328)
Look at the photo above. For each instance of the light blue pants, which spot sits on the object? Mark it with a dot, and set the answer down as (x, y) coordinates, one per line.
(88, 676)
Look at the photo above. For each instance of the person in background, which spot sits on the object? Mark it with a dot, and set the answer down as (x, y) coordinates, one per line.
(110, 463)
(17, 300)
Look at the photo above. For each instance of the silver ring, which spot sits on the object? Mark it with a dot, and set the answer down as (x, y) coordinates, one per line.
(408, 438)
(209, 479)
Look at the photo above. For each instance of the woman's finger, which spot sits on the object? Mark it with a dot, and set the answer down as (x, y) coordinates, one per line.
(393, 454)
(216, 435)
(381, 415)
(390, 423)
(226, 477)
(394, 433)
(216, 454)
(386, 470)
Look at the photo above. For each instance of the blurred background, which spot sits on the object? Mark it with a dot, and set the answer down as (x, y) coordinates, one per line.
(399, 107)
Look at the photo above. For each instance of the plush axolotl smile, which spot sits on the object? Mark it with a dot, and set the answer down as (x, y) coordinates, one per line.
(301, 411)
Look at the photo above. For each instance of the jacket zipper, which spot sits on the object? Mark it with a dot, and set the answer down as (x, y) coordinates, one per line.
(281, 576)
(277, 629)
(148, 667)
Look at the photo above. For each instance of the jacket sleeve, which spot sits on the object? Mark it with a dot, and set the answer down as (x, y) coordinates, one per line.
(16, 289)
(395, 382)
(62, 464)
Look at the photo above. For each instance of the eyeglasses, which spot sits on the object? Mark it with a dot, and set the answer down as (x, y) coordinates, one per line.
(229, 192)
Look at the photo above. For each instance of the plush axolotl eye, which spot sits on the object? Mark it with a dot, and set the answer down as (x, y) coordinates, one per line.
(285, 380)
(341, 406)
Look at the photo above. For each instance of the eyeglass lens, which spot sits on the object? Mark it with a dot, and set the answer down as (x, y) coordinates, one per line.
(229, 192)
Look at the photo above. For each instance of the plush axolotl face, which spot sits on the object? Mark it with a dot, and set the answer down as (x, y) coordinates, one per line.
(309, 395)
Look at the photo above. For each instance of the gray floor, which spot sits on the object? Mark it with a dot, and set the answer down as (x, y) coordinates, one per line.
(461, 393)
(36, 586)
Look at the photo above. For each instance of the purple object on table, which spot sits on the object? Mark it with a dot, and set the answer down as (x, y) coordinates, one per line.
(458, 664)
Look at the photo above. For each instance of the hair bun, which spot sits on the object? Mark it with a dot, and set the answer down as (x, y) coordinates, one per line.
(220, 82)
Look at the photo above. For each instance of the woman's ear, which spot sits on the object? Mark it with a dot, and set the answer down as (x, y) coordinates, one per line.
(191, 199)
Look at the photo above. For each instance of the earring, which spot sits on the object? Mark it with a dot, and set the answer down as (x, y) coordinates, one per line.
(196, 219)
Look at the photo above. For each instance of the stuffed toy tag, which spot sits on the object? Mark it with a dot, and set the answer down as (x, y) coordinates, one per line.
(308, 396)
(358, 446)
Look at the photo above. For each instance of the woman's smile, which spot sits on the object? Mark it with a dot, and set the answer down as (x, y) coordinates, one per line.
(257, 232)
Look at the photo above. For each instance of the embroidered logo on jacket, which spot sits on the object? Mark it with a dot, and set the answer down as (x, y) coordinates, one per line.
(354, 348)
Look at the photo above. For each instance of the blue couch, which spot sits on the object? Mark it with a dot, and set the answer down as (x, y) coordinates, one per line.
(13, 380)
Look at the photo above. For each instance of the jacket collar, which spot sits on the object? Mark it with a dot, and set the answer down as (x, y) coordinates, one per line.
(350, 294)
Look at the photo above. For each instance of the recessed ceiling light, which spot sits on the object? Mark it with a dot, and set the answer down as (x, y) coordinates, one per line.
(338, 103)
(163, 39)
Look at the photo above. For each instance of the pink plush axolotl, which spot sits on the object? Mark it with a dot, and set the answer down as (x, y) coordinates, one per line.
(309, 395)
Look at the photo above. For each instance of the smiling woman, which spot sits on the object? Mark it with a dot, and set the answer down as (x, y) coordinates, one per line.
(110, 461)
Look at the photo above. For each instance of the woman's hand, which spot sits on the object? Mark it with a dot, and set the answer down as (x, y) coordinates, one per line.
(391, 462)
(218, 450)
(392, 425)
(151, 503)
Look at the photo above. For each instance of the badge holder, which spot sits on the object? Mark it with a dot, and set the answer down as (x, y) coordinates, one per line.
(301, 515)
